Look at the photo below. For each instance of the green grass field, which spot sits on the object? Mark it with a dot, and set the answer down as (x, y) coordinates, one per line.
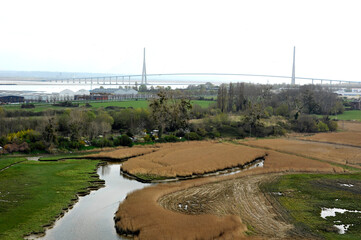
(133, 103)
(33, 193)
(4, 162)
(349, 115)
(304, 195)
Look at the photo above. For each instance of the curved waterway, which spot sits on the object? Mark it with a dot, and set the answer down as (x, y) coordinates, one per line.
(92, 216)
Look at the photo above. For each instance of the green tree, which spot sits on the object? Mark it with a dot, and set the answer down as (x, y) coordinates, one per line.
(160, 112)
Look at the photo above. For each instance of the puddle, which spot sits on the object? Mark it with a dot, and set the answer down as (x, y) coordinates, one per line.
(331, 212)
(342, 228)
(346, 185)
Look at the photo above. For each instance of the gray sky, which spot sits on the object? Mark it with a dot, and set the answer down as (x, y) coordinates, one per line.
(183, 36)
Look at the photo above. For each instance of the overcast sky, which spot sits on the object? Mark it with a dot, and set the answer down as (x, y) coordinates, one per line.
(255, 36)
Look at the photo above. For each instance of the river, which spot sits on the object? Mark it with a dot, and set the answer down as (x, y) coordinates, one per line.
(92, 216)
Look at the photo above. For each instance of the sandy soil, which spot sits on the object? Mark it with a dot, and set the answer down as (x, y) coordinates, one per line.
(242, 197)
(323, 151)
(142, 214)
(188, 158)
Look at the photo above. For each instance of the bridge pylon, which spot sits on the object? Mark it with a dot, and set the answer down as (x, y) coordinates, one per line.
(144, 73)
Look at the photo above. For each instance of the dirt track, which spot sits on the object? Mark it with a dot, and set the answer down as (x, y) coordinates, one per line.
(222, 205)
(241, 197)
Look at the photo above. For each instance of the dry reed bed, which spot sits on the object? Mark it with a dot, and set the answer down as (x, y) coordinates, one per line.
(189, 158)
(323, 151)
(140, 213)
(346, 138)
(124, 152)
(353, 126)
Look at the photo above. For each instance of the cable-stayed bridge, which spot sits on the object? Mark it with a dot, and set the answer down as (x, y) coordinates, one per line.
(193, 78)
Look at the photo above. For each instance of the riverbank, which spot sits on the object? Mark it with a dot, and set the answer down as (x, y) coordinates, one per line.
(187, 159)
(142, 215)
(34, 194)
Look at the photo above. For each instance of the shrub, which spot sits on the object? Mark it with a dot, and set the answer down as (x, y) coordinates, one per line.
(147, 138)
(322, 127)
(37, 146)
(332, 125)
(192, 136)
(124, 140)
(213, 134)
(27, 105)
(279, 131)
(103, 142)
(282, 110)
(305, 123)
(170, 138)
(14, 147)
(201, 132)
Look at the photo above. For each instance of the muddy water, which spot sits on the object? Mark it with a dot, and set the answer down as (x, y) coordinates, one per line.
(92, 216)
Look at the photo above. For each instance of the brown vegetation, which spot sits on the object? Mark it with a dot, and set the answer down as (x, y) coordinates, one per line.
(141, 213)
(322, 151)
(344, 138)
(351, 135)
(353, 126)
(123, 152)
(188, 158)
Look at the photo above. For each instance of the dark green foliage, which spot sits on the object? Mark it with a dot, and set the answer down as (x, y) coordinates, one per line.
(103, 142)
(305, 123)
(66, 104)
(170, 138)
(27, 105)
(124, 140)
(192, 136)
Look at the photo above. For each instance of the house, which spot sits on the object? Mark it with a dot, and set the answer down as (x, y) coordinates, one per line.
(355, 105)
(11, 99)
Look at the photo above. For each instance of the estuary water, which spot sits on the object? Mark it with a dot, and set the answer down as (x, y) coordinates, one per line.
(92, 216)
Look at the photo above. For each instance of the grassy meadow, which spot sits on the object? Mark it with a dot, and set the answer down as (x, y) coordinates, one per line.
(304, 195)
(40, 107)
(33, 193)
(351, 115)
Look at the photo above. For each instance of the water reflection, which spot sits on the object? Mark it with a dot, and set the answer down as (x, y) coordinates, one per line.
(92, 216)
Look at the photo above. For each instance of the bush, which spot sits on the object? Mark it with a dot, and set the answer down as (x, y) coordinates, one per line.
(229, 131)
(124, 140)
(170, 138)
(279, 131)
(192, 136)
(37, 146)
(213, 134)
(332, 125)
(27, 105)
(14, 147)
(305, 123)
(147, 138)
(102, 142)
(322, 127)
(282, 110)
